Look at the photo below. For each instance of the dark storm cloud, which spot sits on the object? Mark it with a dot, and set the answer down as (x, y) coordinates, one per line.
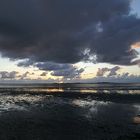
(51, 66)
(68, 73)
(113, 45)
(60, 31)
(64, 70)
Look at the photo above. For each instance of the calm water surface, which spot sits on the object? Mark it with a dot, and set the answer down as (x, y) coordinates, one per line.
(70, 112)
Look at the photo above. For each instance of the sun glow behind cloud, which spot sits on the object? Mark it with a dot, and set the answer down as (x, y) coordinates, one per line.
(136, 45)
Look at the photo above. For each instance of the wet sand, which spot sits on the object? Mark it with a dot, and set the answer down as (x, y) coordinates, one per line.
(40, 115)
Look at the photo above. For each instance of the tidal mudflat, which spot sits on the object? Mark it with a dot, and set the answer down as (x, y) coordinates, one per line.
(70, 112)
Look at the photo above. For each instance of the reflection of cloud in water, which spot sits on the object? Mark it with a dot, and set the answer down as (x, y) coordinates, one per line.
(84, 103)
(91, 106)
(50, 117)
(109, 112)
(68, 116)
(18, 102)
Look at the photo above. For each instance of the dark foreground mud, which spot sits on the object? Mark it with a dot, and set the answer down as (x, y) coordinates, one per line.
(37, 115)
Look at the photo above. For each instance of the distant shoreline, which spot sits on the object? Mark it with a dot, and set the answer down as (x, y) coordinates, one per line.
(41, 83)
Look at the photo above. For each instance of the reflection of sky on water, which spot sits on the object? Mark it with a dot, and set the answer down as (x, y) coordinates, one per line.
(76, 90)
(45, 90)
(26, 102)
(18, 97)
(26, 98)
(93, 106)
(58, 116)
(107, 88)
(18, 102)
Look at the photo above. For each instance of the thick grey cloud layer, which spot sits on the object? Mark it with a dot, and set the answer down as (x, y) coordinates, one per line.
(113, 45)
(60, 31)
(68, 73)
(51, 66)
(64, 70)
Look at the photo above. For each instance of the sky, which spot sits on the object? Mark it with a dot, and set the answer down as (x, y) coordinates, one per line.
(70, 41)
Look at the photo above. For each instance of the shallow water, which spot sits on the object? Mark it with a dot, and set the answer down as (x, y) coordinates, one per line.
(53, 112)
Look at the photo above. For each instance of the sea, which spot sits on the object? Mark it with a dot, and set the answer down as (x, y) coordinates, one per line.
(70, 111)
